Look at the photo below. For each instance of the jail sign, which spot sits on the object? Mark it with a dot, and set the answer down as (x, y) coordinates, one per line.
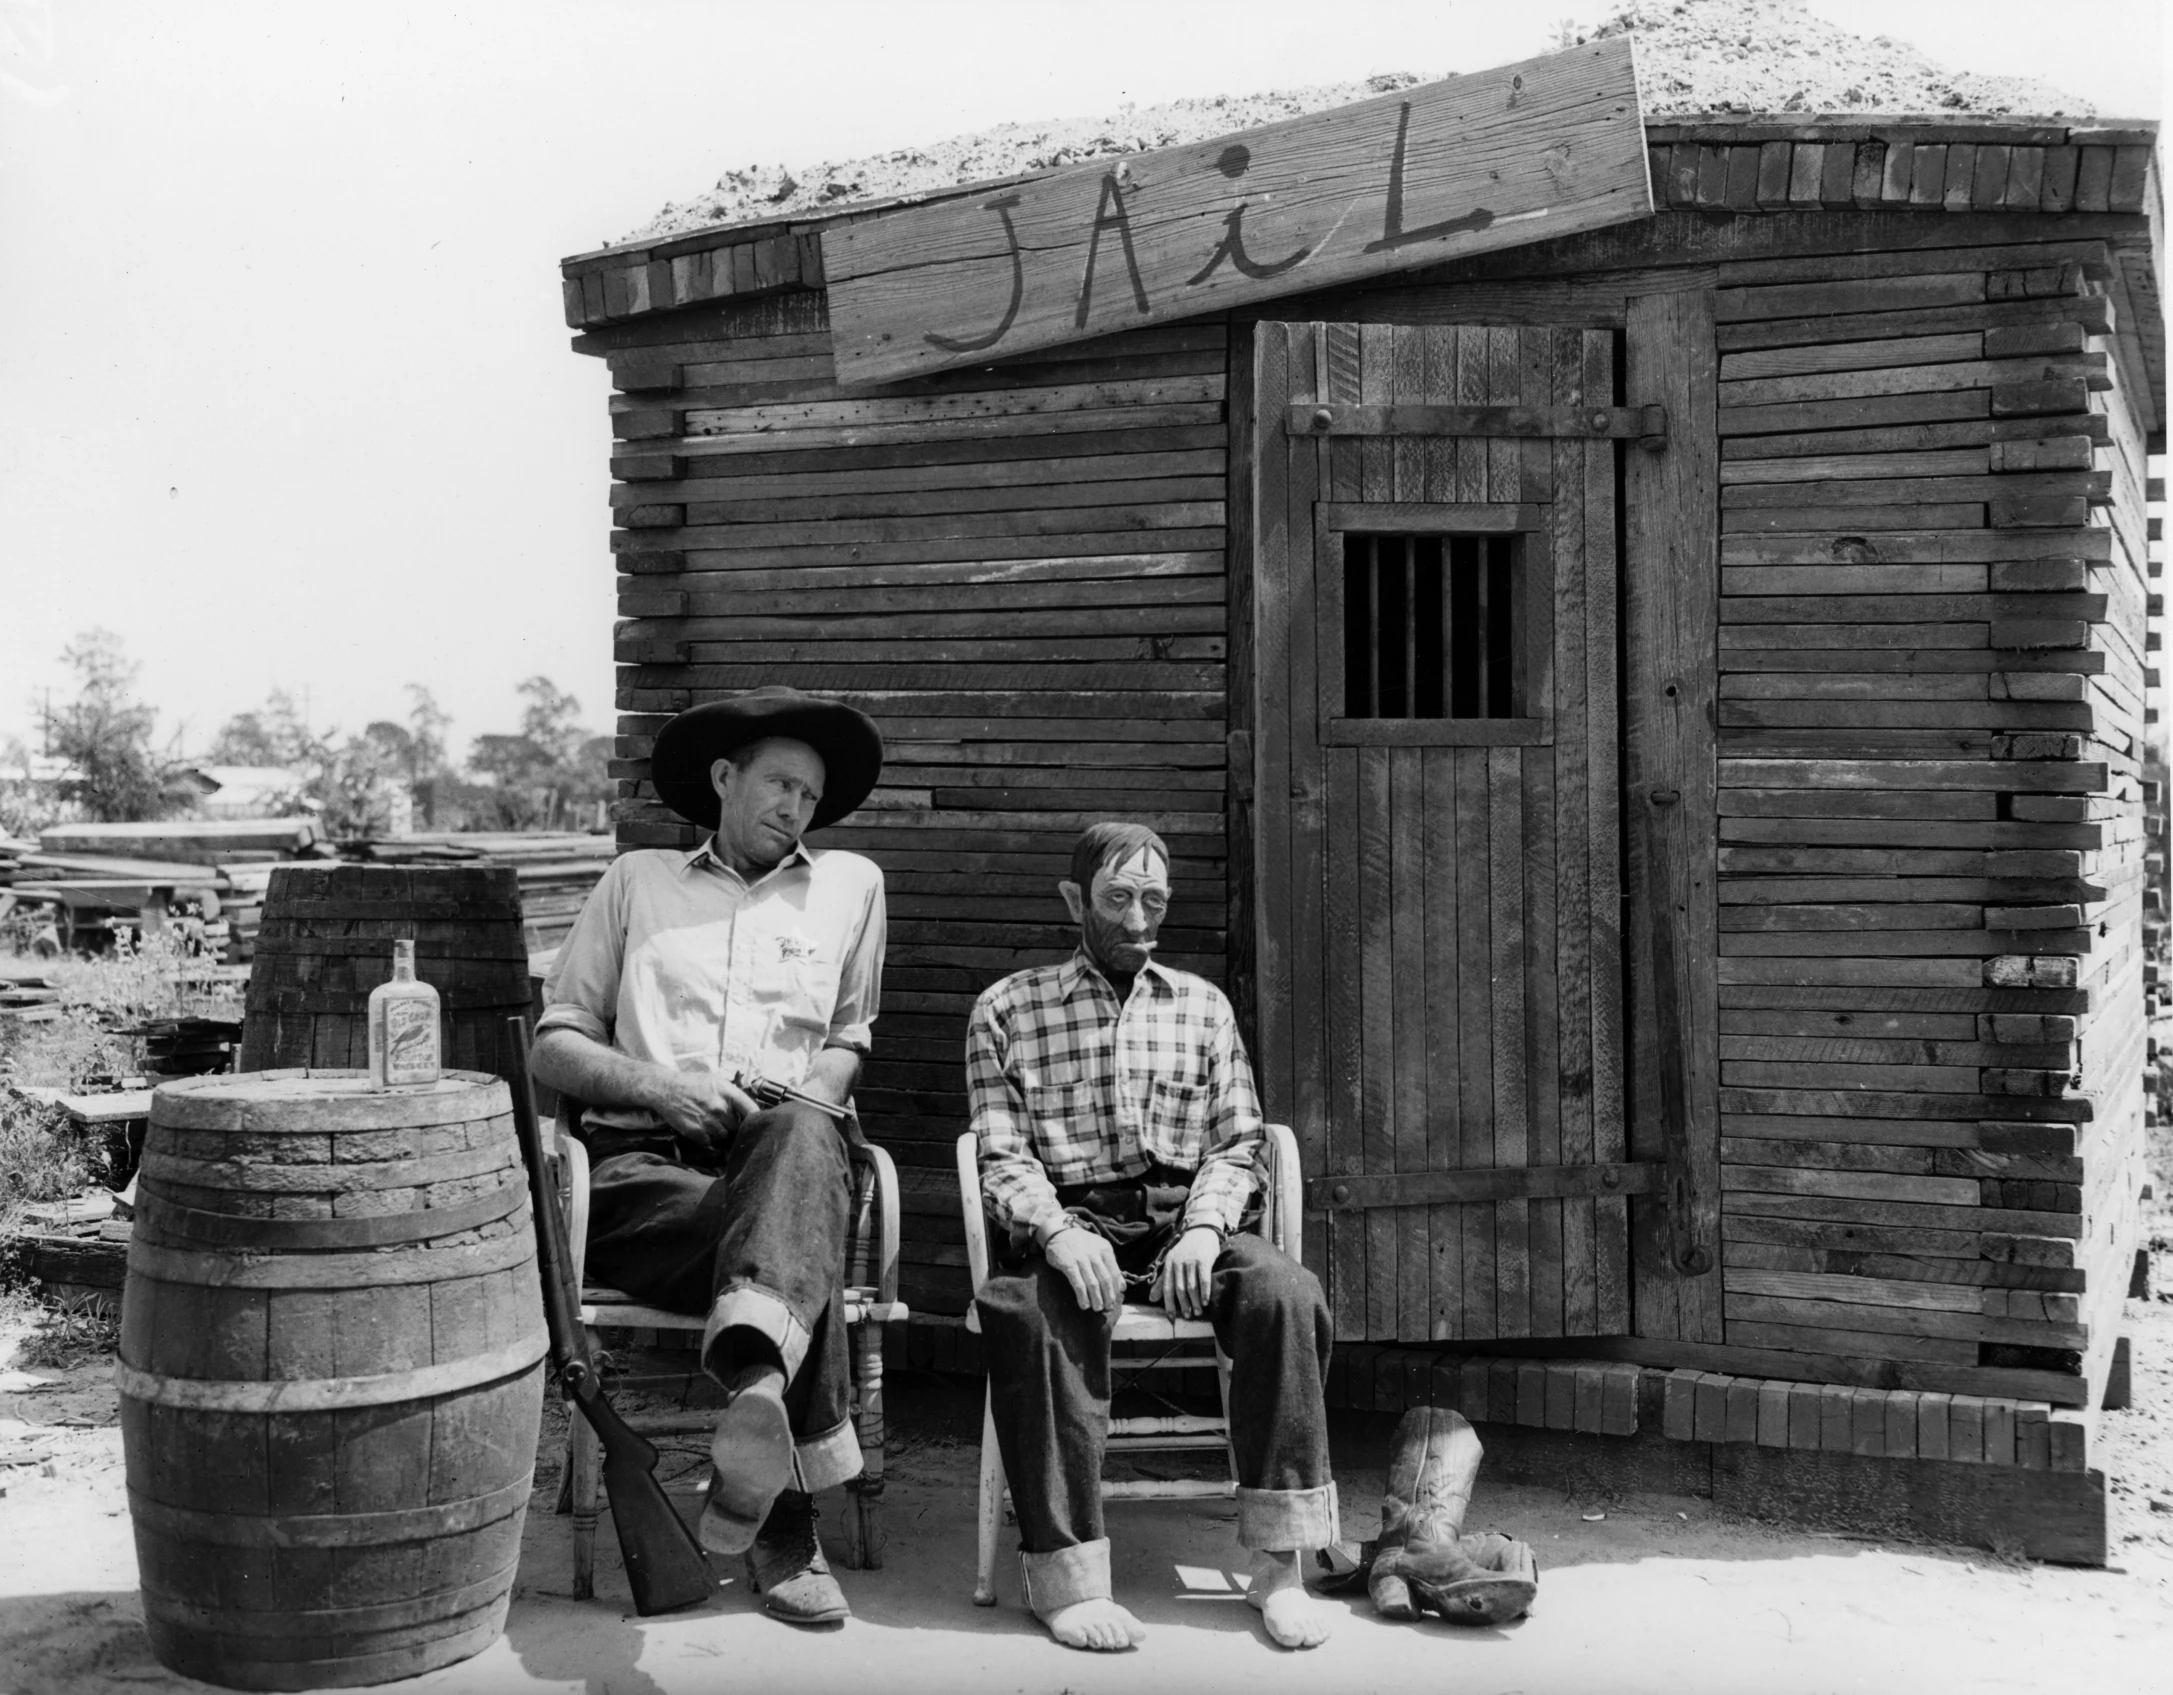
(1514, 155)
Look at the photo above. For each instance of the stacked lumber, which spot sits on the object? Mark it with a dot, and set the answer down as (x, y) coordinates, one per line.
(1930, 835)
(713, 265)
(1018, 571)
(198, 841)
(1964, 164)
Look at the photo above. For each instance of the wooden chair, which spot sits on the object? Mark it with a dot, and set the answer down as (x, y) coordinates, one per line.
(871, 1301)
(1150, 1339)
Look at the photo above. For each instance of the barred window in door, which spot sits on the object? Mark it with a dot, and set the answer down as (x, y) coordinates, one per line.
(1429, 626)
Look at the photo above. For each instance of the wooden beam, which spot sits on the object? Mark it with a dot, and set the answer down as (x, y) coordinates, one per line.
(1672, 581)
(1587, 423)
(1550, 146)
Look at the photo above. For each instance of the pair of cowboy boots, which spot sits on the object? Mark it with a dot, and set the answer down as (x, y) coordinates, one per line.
(1422, 1561)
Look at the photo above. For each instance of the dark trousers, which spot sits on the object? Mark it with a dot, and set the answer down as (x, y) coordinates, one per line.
(1049, 1381)
(758, 1246)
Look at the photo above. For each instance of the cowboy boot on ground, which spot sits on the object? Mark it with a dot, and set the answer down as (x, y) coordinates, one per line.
(1433, 1462)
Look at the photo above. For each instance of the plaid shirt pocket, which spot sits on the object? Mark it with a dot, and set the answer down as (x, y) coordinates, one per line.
(1175, 1126)
(1066, 1129)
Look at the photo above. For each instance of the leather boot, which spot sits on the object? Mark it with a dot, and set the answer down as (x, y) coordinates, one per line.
(1502, 1583)
(1432, 1465)
(787, 1569)
(750, 1458)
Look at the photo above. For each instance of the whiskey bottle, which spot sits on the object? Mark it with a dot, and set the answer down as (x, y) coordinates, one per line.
(404, 1042)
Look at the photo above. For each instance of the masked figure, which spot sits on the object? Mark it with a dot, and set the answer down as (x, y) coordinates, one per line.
(1118, 1134)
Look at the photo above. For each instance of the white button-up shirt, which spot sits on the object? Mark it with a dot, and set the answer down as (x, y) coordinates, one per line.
(678, 960)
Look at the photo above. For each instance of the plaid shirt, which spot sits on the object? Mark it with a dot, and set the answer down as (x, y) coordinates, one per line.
(1069, 1087)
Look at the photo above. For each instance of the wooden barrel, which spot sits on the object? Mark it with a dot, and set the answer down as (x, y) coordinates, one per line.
(326, 941)
(331, 1371)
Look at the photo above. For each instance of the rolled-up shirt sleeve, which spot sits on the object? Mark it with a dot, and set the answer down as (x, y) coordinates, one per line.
(582, 991)
(1013, 1181)
(1228, 1167)
(860, 977)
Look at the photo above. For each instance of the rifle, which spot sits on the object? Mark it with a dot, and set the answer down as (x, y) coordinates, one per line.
(664, 1564)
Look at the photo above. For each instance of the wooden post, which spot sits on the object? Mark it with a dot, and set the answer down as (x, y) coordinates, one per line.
(1241, 980)
(1671, 685)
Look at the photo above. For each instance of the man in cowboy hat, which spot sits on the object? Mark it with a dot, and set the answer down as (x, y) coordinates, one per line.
(752, 953)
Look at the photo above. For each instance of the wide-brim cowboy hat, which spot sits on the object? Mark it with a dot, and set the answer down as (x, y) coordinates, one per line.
(845, 738)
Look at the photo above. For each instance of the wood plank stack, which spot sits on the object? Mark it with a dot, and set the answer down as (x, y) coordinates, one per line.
(1931, 682)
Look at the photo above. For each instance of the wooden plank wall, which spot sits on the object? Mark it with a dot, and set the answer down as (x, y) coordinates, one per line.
(1930, 653)
(1018, 571)
(1930, 836)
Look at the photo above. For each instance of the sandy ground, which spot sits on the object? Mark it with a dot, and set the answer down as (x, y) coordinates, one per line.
(1661, 1594)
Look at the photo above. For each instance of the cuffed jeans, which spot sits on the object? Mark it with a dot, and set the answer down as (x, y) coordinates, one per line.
(1049, 1388)
(759, 1247)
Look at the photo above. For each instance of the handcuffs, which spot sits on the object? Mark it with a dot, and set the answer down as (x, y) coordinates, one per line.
(1136, 1279)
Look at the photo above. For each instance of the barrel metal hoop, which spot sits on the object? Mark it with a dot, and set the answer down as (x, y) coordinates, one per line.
(309, 909)
(330, 1530)
(365, 947)
(161, 1217)
(328, 1271)
(326, 1176)
(278, 1623)
(329, 1394)
(184, 1651)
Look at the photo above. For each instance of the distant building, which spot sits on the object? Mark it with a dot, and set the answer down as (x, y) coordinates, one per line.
(40, 768)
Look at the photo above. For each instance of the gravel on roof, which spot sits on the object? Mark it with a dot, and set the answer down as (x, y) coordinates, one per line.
(1704, 56)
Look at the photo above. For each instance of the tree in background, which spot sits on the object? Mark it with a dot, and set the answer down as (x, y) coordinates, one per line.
(548, 720)
(359, 782)
(104, 734)
(274, 736)
(548, 777)
(27, 802)
(427, 723)
(348, 782)
(551, 775)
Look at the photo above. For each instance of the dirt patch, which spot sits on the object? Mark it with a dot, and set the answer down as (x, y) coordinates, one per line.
(1693, 56)
(2135, 1447)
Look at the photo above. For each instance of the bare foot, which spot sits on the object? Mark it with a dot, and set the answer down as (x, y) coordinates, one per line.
(1294, 1619)
(1101, 1626)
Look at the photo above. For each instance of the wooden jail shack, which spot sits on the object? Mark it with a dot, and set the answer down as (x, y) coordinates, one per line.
(1636, 633)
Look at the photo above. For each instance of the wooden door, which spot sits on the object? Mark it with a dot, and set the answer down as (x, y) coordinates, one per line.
(1438, 842)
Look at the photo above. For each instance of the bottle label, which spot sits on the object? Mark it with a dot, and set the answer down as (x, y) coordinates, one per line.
(411, 1041)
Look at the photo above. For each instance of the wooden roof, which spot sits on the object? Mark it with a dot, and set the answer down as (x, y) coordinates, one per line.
(2102, 174)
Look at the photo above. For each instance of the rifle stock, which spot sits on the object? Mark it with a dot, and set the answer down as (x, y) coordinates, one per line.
(664, 1564)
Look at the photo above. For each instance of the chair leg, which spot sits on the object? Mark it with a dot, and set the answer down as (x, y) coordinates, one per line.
(990, 1507)
(864, 1494)
(1222, 1383)
(584, 1461)
(564, 1502)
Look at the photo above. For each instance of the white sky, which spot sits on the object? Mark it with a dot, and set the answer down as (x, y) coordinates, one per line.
(285, 392)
